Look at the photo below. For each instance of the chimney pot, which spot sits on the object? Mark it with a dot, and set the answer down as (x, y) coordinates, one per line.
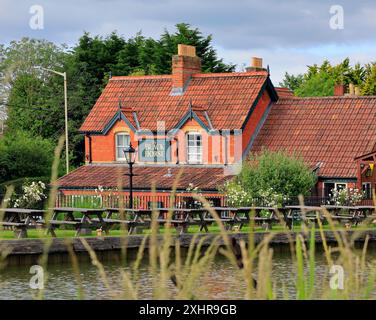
(351, 89)
(186, 50)
(256, 65)
(339, 90)
(256, 62)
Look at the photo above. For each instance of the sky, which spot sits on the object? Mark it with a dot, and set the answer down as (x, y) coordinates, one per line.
(288, 35)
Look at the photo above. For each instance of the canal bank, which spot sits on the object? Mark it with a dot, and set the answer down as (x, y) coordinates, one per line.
(25, 251)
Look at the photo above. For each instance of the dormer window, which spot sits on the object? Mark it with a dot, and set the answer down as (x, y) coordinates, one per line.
(122, 141)
(194, 147)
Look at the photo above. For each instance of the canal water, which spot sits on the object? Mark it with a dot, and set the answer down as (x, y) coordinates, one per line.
(220, 281)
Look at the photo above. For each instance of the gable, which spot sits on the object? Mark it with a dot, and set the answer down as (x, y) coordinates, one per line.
(226, 97)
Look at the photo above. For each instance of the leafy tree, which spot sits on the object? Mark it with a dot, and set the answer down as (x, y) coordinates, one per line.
(291, 81)
(274, 176)
(319, 80)
(369, 86)
(21, 57)
(204, 49)
(23, 155)
(319, 84)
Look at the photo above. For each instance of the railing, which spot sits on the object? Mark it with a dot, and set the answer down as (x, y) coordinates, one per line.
(159, 201)
(139, 202)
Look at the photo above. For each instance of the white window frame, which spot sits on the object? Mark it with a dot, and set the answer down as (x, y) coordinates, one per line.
(335, 186)
(198, 155)
(122, 158)
(370, 189)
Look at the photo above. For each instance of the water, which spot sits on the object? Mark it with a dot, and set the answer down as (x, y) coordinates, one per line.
(220, 281)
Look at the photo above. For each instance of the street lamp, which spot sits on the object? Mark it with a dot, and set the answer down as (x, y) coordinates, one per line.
(130, 157)
(63, 74)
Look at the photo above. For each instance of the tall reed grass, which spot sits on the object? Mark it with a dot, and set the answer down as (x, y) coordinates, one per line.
(167, 264)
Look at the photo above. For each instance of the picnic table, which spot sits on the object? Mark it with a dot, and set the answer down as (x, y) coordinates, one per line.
(143, 217)
(90, 218)
(21, 219)
(347, 214)
(303, 213)
(243, 215)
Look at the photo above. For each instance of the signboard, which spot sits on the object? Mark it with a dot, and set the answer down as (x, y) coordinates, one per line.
(154, 150)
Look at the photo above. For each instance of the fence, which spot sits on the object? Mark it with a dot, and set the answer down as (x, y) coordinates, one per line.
(165, 201)
(139, 202)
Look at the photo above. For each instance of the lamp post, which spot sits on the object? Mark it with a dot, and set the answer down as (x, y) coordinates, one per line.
(130, 153)
(64, 75)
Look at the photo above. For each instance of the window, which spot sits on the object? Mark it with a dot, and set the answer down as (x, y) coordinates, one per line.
(122, 141)
(194, 147)
(329, 186)
(341, 186)
(366, 187)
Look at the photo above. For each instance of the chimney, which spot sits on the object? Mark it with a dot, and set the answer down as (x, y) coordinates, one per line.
(256, 65)
(339, 90)
(351, 89)
(184, 64)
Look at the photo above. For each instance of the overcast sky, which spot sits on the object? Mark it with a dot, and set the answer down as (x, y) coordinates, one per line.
(288, 35)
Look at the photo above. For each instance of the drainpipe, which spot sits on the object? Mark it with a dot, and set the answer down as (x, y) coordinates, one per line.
(225, 147)
(90, 158)
(177, 149)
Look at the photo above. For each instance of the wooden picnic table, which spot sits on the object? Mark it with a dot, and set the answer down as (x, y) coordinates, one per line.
(143, 217)
(90, 218)
(20, 220)
(303, 213)
(353, 214)
(272, 216)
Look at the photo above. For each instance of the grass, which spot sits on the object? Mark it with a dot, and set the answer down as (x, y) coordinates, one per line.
(70, 233)
(248, 259)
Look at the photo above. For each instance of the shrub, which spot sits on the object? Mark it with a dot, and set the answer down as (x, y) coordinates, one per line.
(22, 155)
(347, 196)
(270, 178)
(33, 195)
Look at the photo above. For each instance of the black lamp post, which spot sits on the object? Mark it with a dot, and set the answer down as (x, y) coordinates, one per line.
(130, 154)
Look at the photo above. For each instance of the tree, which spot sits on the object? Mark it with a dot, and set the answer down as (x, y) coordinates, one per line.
(24, 155)
(272, 177)
(369, 86)
(185, 34)
(319, 80)
(319, 85)
(292, 82)
(21, 57)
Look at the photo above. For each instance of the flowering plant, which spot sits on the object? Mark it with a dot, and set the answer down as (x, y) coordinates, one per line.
(196, 190)
(346, 196)
(33, 194)
(236, 195)
(271, 198)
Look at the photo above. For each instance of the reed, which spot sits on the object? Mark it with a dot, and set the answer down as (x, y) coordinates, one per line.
(181, 275)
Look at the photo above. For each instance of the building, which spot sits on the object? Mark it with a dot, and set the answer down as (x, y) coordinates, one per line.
(202, 125)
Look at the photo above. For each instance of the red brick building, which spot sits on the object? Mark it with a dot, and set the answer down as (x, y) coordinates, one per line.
(205, 124)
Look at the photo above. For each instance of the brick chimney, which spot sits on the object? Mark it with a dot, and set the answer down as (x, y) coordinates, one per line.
(184, 64)
(339, 90)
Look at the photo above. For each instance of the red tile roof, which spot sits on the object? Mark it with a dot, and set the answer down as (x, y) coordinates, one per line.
(284, 92)
(227, 97)
(91, 176)
(333, 130)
